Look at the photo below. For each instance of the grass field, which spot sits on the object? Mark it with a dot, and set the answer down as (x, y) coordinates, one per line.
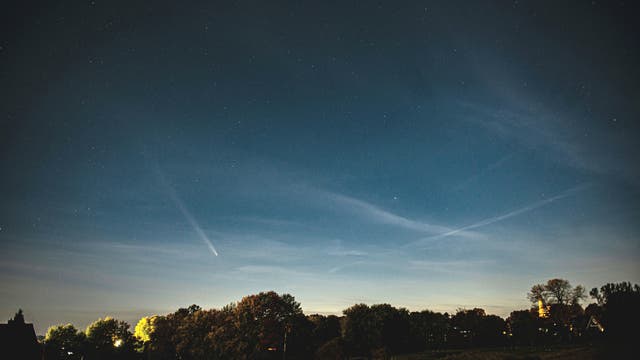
(566, 353)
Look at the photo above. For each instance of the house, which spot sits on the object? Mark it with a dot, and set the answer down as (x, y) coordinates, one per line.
(18, 340)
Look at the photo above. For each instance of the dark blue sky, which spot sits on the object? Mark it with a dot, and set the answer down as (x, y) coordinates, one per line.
(427, 154)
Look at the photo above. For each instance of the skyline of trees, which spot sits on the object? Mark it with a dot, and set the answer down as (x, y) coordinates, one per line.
(269, 325)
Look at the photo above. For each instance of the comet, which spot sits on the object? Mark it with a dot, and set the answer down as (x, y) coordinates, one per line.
(177, 201)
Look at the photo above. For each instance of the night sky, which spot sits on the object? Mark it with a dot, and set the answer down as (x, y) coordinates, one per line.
(425, 154)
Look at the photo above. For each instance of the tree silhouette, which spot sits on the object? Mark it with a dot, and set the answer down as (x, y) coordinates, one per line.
(620, 304)
(64, 342)
(524, 327)
(109, 338)
(556, 291)
(358, 329)
(272, 326)
(325, 328)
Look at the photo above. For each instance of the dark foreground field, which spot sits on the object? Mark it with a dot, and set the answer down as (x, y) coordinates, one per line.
(564, 353)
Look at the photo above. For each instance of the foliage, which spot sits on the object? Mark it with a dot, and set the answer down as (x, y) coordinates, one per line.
(145, 328)
(324, 329)
(331, 350)
(64, 342)
(109, 338)
(619, 310)
(256, 327)
(380, 328)
(475, 328)
(272, 326)
(428, 330)
(356, 330)
(523, 327)
(262, 321)
(556, 291)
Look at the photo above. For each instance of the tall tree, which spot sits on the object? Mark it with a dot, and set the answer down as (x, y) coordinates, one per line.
(325, 328)
(145, 328)
(109, 338)
(524, 327)
(428, 329)
(620, 311)
(265, 322)
(556, 291)
(64, 342)
(357, 330)
(391, 327)
(465, 324)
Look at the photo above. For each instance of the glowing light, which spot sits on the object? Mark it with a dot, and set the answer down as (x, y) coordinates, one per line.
(118, 342)
(543, 311)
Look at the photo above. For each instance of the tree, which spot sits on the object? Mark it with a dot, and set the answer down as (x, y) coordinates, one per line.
(109, 338)
(379, 329)
(357, 329)
(597, 296)
(331, 350)
(556, 291)
(64, 342)
(196, 337)
(523, 326)
(264, 321)
(391, 327)
(149, 332)
(428, 329)
(465, 325)
(538, 293)
(162, 333)
(620, 304)
(491, 331)
(324, 328)
(145, 327)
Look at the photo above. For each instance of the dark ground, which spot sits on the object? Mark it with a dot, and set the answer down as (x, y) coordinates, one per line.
(525, 353)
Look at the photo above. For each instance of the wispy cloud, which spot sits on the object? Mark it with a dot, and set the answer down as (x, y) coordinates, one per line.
(254, 247)
(537, 128)
(138, 248)
(336, 269)
(344, 252)
(507, 215)
(488, 169)
(270, 270)
(378, 215)
(453, 266)
(340, 251)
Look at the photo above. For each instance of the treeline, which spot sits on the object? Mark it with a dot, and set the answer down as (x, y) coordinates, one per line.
(272, 326)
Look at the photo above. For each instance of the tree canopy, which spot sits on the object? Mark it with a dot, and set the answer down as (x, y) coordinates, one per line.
(64, 342)
(268, 325)
(556, 291)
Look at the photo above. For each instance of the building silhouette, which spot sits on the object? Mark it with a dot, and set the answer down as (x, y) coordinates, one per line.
(18, 339)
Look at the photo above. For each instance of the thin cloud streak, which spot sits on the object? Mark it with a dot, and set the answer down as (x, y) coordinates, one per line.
(453, 266)
(336, 269)
(508, 215)
(382, 216)
(536, 127)
(491, 167)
